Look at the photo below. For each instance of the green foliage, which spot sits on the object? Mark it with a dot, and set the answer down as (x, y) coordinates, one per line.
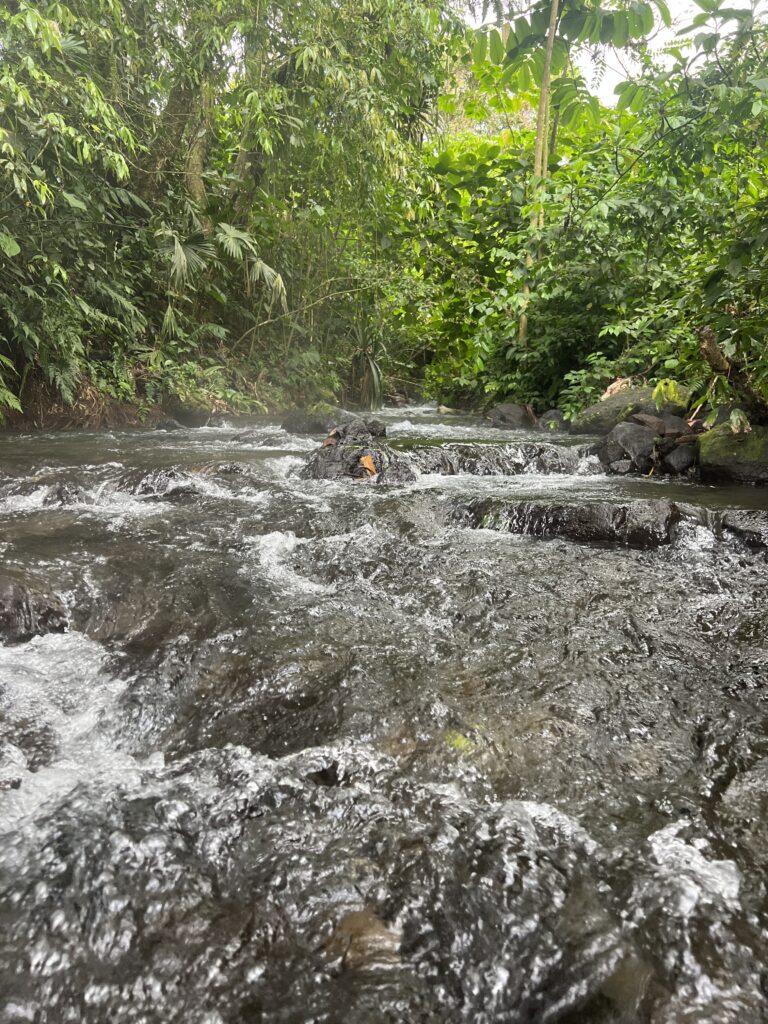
(194, 196)
(650, 224)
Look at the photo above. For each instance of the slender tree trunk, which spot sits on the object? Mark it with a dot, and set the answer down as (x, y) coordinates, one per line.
(540, 154)
(166, 144)
(197, 155)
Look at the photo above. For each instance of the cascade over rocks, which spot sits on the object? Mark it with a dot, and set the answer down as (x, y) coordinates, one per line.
(26, 611)
(634, 524)
(498, 460)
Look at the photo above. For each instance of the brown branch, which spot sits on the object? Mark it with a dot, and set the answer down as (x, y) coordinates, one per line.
(736, 374)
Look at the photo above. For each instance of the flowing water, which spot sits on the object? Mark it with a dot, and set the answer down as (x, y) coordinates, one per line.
(491, 746)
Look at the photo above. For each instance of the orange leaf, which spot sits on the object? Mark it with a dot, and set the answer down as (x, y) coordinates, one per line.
(368, 465)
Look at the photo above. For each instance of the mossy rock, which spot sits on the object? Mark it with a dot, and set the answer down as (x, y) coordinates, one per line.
(603, 416)
(725, 457)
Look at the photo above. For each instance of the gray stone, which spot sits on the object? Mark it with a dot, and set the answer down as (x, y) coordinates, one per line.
(511, 416)
(680, 459)
(631, 441)
(25, 611)
(552, 419)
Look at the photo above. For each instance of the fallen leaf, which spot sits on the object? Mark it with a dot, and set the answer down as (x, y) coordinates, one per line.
(368, 465)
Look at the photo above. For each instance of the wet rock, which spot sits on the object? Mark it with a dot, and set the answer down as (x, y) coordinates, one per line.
(168, 423)
(496, 460)
(189, 415)
(26, 611)
(553, 419)
(639, 524)
(511, 416)
(67, 494)
(725, 457)
(362, 941)
(675, 426)
(303, 421)
(603, 416)
(646, 419)
(629, 441)
(351, 450)
(680, 459)
(749, 525)
(160, 483)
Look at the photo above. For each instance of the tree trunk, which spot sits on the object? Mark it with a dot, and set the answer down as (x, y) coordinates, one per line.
(540, 153)
(197, 155)
(166, 144)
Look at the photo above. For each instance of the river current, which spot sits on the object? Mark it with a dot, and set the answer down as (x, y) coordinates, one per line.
(351, 753)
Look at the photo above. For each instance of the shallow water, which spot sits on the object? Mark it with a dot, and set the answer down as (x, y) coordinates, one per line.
(319, 752)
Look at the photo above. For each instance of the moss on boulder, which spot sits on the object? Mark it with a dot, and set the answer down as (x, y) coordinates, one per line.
(725, 457)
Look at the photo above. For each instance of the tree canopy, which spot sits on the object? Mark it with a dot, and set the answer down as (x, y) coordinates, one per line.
(238, 205)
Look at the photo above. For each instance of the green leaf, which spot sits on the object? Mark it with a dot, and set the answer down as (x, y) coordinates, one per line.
(480, 47)
(496, 47)
(9, 245)
(628, 93)
(74, 202)
(646, 18)
(663, 10)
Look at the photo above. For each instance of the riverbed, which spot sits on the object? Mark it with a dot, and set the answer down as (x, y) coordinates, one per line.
(337, 752)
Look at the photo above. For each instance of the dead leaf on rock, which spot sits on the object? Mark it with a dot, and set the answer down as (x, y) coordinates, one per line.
(366, 461)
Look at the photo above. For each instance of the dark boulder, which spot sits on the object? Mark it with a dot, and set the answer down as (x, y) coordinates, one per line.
(168, 423)
(675, 426)
(553, 419)
(628, 441)
(647, 419)
(302, 421)
(26, 611)
(511, 416)
(725, 457)
(680, 459)
(351, 450)
(636, 524)
(603, 416)
(188, 415)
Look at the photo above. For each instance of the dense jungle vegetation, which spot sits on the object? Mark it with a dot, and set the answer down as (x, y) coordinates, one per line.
(245, 205)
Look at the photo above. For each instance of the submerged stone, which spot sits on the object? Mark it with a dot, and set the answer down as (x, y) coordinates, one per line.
(26, 611)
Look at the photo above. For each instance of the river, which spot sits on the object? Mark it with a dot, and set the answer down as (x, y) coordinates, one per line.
(337, 752)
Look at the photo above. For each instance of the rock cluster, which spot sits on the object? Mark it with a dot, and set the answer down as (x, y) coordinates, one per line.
(647, 442)
(356, 449)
